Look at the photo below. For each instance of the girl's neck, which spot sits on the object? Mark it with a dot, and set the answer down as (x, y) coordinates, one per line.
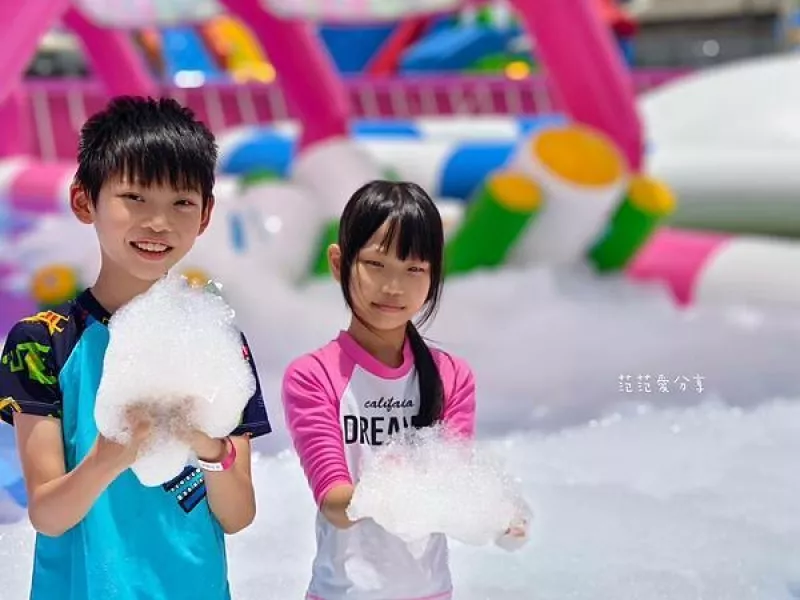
(385, 346)
(114, 289)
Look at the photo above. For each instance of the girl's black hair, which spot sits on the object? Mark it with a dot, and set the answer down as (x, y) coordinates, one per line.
(152, 141)
(414, 220)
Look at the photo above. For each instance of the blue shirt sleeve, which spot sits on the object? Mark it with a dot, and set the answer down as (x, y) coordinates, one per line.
(28, 374)
(255, 421)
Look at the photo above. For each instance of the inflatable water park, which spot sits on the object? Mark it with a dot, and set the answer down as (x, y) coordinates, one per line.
(542, 146)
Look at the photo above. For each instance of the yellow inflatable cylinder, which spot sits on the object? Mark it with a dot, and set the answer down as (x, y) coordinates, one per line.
(503, 208)
(53, 285)
(582, 175)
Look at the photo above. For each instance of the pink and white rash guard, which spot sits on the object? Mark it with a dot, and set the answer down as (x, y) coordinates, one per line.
(340, 404)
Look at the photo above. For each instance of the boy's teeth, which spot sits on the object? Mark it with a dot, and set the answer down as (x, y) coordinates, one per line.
(151, 247)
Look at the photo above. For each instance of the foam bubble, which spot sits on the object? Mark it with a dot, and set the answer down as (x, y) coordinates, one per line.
(176, 350)
(430, 482)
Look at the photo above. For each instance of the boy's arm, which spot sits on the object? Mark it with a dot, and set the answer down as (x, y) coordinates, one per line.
(57, 501)
(30, 400)
(231, 496)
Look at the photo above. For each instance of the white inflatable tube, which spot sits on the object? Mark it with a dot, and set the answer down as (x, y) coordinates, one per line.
(575, 213)
(146, 13)
(736, 189)
(705, 269)
(421, 163)
(332, 170)
(751, 272)
(356, 11)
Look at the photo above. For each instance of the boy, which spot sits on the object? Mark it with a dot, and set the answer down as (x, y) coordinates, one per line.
(145, 181)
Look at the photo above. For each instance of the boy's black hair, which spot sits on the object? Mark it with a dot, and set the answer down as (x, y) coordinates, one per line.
(148, 140)
(415, 221)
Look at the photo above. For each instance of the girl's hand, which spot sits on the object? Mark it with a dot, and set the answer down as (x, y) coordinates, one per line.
(517, 531)
(515, 536)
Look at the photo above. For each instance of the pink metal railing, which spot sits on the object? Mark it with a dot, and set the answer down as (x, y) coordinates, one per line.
(58, 107)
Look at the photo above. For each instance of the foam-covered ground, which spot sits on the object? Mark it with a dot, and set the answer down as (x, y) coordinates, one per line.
(648, 495)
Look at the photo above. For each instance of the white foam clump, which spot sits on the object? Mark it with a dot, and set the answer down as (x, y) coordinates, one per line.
(428, 481)
(174, 343)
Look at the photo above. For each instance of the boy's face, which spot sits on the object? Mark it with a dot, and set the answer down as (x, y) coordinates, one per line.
(143, 231)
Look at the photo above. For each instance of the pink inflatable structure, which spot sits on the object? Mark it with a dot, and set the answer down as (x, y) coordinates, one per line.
(573, 45)
(590, 77)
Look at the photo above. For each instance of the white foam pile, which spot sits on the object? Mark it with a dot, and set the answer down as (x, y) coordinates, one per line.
(636, 494)
(426, 482)
(176, 352)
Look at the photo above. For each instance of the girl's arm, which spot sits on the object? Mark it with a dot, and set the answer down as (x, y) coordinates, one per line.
(459, 387)
(312, 417)
(335, 503)
(459, 416)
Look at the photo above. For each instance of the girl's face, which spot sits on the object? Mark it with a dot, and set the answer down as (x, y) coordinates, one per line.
(387, 292)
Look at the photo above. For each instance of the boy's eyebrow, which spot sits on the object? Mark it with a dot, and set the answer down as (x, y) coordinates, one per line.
(124, 183)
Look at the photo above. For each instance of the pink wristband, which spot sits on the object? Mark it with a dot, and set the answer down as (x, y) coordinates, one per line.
(225, 464)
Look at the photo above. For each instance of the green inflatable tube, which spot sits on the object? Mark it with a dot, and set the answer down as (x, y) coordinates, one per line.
(646, 204)
(257, 176)
(503, 207)
(330, 235)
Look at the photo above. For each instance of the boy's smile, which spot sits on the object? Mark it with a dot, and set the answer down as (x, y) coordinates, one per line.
(150, 250)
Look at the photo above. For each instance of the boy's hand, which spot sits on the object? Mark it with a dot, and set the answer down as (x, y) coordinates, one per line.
(208, 448)
(178, 421)
(139, 426)
(180, 425)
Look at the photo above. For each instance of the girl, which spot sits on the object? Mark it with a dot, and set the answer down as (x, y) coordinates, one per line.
(370, 382)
